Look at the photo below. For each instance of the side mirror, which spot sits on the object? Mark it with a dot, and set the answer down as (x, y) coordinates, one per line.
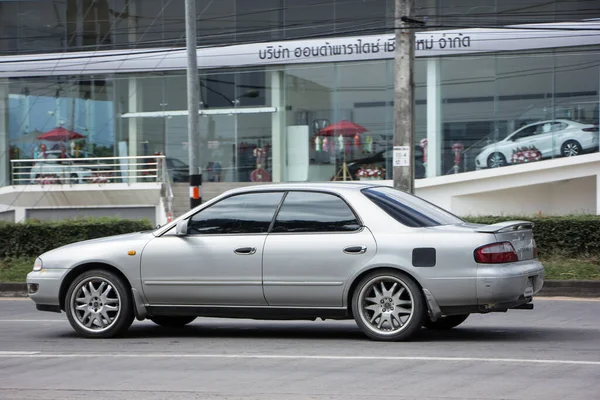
(181, 229)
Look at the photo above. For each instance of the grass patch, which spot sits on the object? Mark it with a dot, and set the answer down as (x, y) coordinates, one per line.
(15, 269)
(557, 268)
(563, 268)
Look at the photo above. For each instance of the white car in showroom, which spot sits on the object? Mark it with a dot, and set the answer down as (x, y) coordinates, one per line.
(56, 170)
(543, 139)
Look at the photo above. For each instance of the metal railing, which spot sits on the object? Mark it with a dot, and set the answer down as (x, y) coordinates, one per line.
(92, 170)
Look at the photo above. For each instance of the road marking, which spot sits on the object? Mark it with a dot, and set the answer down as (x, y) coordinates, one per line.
(18, 353)
(33, 320)
(294, 357)
(564, 298)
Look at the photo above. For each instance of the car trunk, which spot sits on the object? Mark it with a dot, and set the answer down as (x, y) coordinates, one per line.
(517, 233)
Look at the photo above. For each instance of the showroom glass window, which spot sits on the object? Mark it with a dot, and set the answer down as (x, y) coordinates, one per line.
(245, 213)
(306, 212)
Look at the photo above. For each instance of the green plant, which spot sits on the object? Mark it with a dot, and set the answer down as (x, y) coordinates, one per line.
(33, 238)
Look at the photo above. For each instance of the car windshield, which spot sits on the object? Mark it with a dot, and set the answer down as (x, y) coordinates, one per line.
(410, 210)
(177, 163)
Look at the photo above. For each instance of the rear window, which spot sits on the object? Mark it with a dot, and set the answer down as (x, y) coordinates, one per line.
(410, 210)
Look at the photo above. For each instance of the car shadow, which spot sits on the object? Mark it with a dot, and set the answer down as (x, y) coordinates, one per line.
(350, 332)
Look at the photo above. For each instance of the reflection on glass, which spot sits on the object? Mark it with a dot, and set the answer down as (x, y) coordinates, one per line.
(501, 110)
(248, 213)
(314, 212)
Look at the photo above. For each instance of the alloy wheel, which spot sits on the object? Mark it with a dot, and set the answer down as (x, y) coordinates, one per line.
(496, 160)
(95, 304)
(386, 305)
(571, 149)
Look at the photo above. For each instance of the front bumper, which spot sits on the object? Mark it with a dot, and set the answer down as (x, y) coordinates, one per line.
(508, 283)
(43, 287)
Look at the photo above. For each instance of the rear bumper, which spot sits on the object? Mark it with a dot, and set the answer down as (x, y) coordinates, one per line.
(507, 283)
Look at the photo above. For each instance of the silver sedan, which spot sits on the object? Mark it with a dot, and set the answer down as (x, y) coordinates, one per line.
(392, 261)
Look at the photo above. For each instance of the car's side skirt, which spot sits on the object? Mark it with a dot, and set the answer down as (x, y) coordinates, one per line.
(251, 312)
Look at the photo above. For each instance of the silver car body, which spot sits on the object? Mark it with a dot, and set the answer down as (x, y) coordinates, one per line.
(304, 275)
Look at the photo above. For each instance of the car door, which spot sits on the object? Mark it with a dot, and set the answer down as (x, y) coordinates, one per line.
(219, 261)
(524, 138)
(316, 244)
(544, 137)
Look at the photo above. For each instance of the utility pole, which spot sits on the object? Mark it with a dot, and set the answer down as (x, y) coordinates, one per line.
(403, 160)
(193, 100)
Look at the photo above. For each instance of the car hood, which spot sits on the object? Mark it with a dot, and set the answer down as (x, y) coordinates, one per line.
(110, 239)
(100, 249)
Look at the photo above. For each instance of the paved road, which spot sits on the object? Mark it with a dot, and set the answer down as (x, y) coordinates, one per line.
(552, 352)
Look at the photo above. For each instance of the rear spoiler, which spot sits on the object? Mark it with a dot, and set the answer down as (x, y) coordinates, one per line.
(507, 226)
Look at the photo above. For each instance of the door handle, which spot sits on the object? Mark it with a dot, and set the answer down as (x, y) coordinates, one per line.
(245, 250)
(355, 250)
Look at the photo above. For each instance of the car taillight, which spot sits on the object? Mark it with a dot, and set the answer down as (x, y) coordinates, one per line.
(496, 253)
(535, 252)
(593, 129)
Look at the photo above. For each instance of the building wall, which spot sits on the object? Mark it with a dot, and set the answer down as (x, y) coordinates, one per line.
(135, 213)
(7, 216)
(574, 196)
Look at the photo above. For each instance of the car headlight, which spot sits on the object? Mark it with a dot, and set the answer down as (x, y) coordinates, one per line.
(37, 265)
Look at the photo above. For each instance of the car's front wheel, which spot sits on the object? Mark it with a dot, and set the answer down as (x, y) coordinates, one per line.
(98, 304)
(446, 322)
(172, 321)
(388, 305)
(496, 160)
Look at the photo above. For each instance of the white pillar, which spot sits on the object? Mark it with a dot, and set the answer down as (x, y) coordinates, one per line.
(278, 126)
(4, 136)
(135, 102)
(434, 118)
(598, 194)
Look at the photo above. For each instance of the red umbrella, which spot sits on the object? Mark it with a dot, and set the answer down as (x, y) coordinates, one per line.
(60, 134)
(346, 128)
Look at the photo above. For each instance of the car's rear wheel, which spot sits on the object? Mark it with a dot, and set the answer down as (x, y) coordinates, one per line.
(388, 305)
(74, 179)
(172, 321)
(496, 160)
(98, 305)
(446, 322)
(570, 148)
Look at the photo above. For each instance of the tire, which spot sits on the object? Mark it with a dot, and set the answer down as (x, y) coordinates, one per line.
(172, 321)
(379, 313)
(496, 160)
(74, 179)
(445, 323)
(570, 148)
(104, 312)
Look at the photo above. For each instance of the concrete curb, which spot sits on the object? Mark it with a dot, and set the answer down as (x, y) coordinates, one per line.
(551, 289)
(13, 289)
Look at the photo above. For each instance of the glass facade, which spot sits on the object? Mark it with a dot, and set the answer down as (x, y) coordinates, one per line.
(299, 121)
(519, 107)
(43, 26)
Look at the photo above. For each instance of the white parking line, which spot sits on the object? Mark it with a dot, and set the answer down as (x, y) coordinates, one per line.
(33, 320)
(294, 357)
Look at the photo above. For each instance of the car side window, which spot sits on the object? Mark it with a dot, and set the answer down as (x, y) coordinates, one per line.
(244, 213)
(558, 126)
(305, 212)
(527, 132)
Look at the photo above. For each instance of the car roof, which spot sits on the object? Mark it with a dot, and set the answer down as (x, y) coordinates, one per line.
(328, 186)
